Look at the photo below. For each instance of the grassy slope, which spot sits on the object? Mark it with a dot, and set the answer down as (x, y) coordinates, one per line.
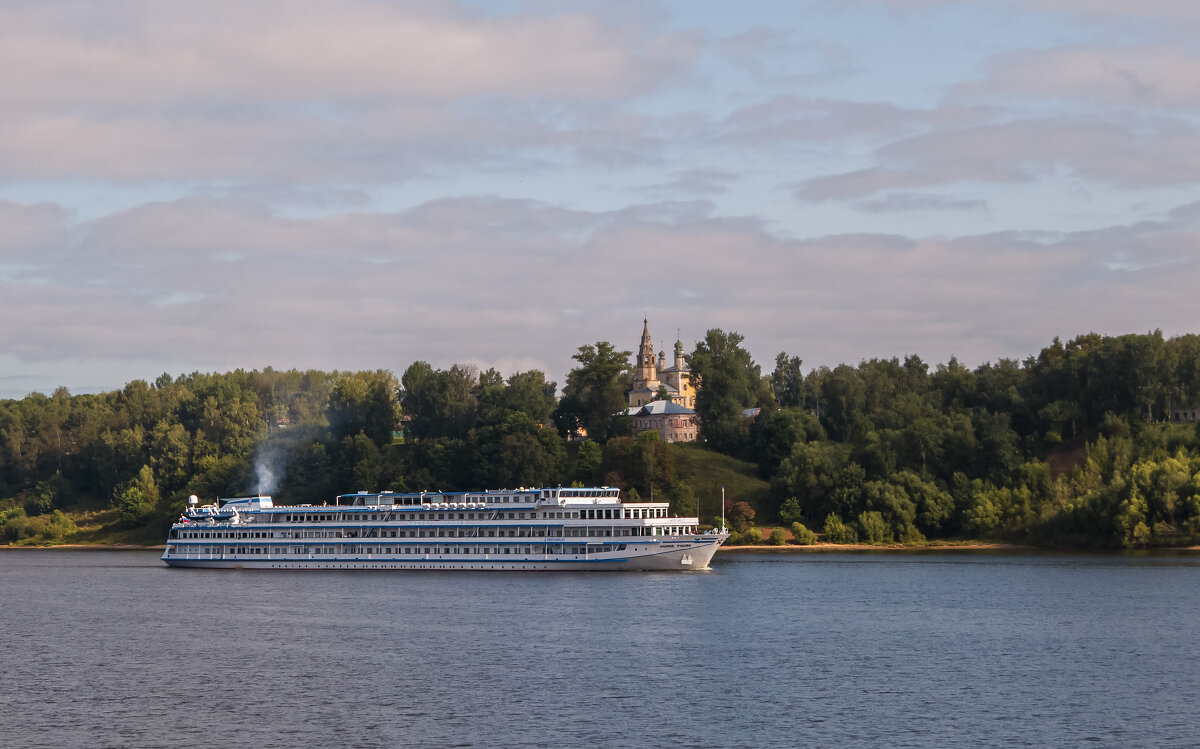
(706, 471)
(102, 527)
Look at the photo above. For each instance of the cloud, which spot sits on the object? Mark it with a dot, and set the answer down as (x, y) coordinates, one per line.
(1165, 10)
(139, 53)
(698, 181)
(772, 54)
(789, 118)
(919, 202)
(524, 283)
(1127, 150)
(1114, 10)
(364, 183)
(28, 230)
(315, 90)
(1123, 76)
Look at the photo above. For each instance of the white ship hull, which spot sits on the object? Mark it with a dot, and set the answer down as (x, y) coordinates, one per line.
(693, 556)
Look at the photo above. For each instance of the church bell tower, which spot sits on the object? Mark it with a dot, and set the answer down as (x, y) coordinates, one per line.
(647, 368)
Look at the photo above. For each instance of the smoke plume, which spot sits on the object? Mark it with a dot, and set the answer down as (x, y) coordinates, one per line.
(268, 468)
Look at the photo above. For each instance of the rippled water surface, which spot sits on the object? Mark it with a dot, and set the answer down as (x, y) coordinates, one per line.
(105, 648)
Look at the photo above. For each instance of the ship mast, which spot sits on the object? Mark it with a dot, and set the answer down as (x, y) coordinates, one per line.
(722, 508)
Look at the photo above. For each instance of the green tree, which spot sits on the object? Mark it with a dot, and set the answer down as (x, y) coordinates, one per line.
(1131, 520)
(682, 499)
(811, 473)
(775, 433)
(790, 511)
(646, 463)
(588, 458)
(727, 382)
(874, 528)
(438, 403)
(787, 381)
(361, 463)
(133, 507)
(895, 508)
(47, 495)
(530, 393)
(170, 454)
(521, 453)
(595, 391)
(843, 398)
(934, 507)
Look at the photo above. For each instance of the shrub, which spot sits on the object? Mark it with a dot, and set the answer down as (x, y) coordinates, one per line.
(778, 537)
(39, 504)
(10, 519)
(133, 506)
(47, 495)
(752, 536)
(802, 535)
(51, 528)
(837, 532)
(741, 514)
(874, 528)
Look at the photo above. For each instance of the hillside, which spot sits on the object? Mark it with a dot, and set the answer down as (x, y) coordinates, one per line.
(707, 471)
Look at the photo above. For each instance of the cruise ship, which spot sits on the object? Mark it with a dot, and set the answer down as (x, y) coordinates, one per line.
(520, 529)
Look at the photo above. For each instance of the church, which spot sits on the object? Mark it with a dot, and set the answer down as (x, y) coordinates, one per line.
(652, 375)
(662, 397)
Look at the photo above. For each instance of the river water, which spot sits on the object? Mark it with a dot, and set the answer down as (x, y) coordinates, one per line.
(113, 649)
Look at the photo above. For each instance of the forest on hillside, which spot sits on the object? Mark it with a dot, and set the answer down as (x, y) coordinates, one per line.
(1072, 447)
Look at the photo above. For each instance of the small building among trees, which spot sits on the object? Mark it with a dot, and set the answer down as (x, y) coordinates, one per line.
(1185, 414)
(673, 422)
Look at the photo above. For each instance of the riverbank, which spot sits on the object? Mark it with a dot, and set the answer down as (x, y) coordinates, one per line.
(97, 547)
(758, 549)
(764, 548)
(944, 547)
(924, 546)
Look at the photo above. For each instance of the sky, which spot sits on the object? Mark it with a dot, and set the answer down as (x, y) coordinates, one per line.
(361, 184)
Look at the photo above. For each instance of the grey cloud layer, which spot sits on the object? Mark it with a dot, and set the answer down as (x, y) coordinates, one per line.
(312, 90)
(532, 138)
(522, 281)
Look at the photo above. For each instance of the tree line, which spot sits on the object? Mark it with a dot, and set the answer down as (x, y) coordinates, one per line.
(1073, 446)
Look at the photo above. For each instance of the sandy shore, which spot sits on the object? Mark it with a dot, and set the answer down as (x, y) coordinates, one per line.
(97, 547)
(960, 546)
